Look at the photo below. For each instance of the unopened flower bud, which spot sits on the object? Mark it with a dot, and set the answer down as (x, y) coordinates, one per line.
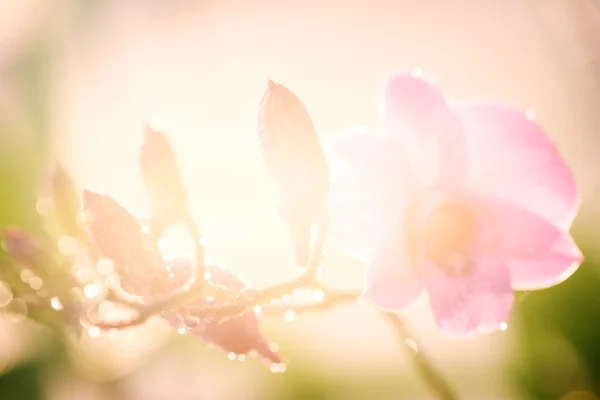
(166, 193)
(295, 161)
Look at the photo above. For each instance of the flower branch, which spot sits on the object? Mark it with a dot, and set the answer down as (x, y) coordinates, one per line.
(426, 369)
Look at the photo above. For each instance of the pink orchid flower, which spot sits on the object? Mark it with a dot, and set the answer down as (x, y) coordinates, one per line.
(465, 201)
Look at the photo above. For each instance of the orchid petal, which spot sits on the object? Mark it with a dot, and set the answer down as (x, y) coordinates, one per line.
(392, 280)
(372, 185)
(509, 156)
(480, 300)
(416, 111)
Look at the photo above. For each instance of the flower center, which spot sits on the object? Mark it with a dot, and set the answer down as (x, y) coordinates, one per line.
(449, 234)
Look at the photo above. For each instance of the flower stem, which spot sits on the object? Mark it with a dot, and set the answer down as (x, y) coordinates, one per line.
(424, 366)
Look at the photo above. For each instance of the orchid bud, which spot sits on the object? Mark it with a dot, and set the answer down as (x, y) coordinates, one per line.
(238, 335)
(118, 237)
(166, 193)
(62, 191)
(295, 161)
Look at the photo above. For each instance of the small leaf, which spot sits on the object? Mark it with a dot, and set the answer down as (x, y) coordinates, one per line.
(30, 252)
(118, 237)
(295, 161)
(166, 193)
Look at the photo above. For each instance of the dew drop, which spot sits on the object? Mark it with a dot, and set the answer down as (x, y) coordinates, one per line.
(274, 347)
(257, 308)
(241, 357)
(15, 311)
(6, 294)
(207, 276)
(274, 368)
(181, 330)
(105, 266)
(56, 303)
(27, 275)
(503, 326)
(210, 299)
(44, 206)
(156, 124)
(67, 245)
(530, 115)
(191, 323)
(94, 332)
(416, 72)
(319, 295)
(297, 292)
(232, 356)
(36, 283)
(289, 316)
(91, 290)
(412, 344)
(203, 241)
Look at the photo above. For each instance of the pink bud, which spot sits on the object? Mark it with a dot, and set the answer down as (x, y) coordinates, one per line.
(166, 193)
(294, 159)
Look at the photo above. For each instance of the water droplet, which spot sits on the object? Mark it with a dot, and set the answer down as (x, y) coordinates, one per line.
(412, 344)
(36, 283)
(6, 293)
(203, 241)
(26, 275)
(15, 311)
(297, 292)
(105, 266)
(56, 303)
(241, 357)
(191, 322)
(181, 330)
(209, 299)
(530, 115)
(319, 295)
(94, 332)
(44, 206)
(156, 124)
(91, 290)
(503, 326)
(67, 245)
(416, 72)
(274, 347)
(163, 243)
(274, 368)
(231, 356)
(289, 316)
(207, 276)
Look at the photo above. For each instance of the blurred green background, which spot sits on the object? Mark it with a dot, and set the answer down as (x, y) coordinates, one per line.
(79, 78)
